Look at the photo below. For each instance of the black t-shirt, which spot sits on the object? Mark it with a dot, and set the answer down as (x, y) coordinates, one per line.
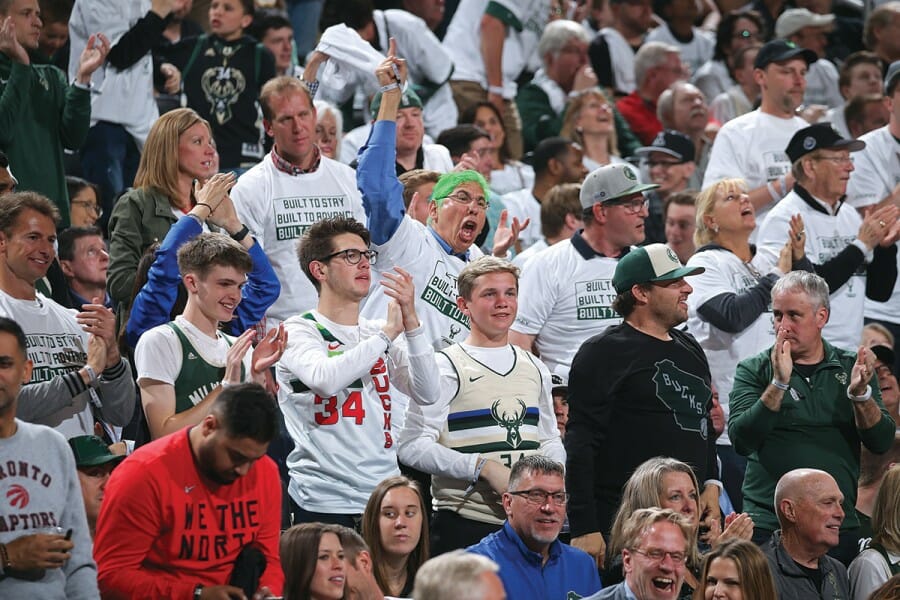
(633, 397)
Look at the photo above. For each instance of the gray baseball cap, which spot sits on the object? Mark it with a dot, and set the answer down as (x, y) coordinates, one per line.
(610, 183)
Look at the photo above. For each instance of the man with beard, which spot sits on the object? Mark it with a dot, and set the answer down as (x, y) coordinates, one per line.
(653, 556)
(533, 562)
(752, 146)
(660, 395)
(180, 511)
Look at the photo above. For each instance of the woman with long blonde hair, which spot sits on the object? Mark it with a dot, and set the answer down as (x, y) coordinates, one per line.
(589, 121)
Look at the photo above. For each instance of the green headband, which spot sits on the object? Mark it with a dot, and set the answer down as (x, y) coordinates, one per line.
(450, 181)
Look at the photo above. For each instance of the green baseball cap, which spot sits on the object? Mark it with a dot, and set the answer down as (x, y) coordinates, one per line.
(647, 264)
(409, 99)
(91, 451)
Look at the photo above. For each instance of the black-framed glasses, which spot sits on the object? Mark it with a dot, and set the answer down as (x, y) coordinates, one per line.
(632, 206)
(542, 497)
(90, 206)
(463, 197)
(353, 256)
(658, 554)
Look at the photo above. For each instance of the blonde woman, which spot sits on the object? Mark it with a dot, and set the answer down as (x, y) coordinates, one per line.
(590, 122)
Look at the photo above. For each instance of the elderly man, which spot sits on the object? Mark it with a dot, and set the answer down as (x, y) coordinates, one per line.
(456, 575)
(654, 548)
(433, 254)
(809, 30)
(567, 291)
(855, 256)
(533, 562)
(752, 146)
(682, 107)
(805, 403)
(660, 395)
(808, 503)
(656, 67)
(564, 71)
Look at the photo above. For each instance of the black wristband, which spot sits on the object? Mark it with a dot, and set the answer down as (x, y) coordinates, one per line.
(240, 234)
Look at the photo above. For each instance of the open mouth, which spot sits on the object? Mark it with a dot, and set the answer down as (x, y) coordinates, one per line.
(664, 583)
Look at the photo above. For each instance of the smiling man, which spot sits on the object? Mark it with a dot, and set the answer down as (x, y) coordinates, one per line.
(655, 548)
(805, 403)
(660, 396)
(183, 365)
(533, 562)
(495, 407)
(340, 373)
(808, 503)
(856, 256)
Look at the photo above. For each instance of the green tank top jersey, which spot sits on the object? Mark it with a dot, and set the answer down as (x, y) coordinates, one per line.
(197, 377)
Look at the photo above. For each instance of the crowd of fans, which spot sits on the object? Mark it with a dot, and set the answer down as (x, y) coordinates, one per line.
(463, 299)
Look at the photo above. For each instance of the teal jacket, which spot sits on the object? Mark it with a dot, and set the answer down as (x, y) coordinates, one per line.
(40, 114)
(815, 428)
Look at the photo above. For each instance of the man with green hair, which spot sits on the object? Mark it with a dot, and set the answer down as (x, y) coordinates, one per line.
(433, 254)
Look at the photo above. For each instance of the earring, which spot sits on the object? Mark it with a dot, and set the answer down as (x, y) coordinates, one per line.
(715, 228)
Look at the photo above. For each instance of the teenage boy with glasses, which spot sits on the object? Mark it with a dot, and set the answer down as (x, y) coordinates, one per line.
(339, 372)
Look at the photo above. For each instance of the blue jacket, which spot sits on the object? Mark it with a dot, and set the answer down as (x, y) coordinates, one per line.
(569, 573)
(153, 304)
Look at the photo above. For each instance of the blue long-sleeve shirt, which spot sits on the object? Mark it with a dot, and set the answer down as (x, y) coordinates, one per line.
(568, 573)
(153, 304)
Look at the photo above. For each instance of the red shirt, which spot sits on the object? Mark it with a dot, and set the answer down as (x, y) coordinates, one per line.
(641, 117)
(163, 528)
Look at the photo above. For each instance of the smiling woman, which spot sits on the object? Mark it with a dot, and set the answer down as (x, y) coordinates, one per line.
(313, 561)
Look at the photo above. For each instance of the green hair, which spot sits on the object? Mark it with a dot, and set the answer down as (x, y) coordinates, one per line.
(450, 181)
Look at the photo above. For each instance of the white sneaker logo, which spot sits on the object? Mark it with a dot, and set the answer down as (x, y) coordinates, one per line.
(188, 488)
(192, 356)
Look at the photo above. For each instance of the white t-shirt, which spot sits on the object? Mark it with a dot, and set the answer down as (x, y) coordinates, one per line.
(695, 53)
(514, 176)
(726, 273)
(826, 236)
(730, 104)
(713, 78)
(278, 208)
(524, 205)
(56, 345)
(523, 257)
(752, 146)
(565, 297)
(434, 272)
(159, 354)
(822, 85)
(339, 407)
(463, 40)
(621, 57)
(838, 120)
(876, 174)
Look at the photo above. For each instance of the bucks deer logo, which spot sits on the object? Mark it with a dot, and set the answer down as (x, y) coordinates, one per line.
(510, 421)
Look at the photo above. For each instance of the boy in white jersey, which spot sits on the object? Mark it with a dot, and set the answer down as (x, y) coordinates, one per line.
(339, 373)
(495, 406)
(183, 365)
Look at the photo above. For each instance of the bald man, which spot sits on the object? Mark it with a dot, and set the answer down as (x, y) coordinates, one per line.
(808, 504)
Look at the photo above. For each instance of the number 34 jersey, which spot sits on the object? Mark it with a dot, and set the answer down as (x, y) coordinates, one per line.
(337, 395)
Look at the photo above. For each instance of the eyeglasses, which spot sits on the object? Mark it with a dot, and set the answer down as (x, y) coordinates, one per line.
(89, 206)
(464, 198)
(840, 160)
(542, 497)
(353, 256)
(633, 206)
(657, 555)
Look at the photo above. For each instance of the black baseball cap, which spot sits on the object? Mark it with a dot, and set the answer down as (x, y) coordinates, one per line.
(671, 142)
(885, 354)
(815, 137)
(780, 51)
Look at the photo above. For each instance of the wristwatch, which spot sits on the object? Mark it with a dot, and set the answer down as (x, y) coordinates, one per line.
(240, 233)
